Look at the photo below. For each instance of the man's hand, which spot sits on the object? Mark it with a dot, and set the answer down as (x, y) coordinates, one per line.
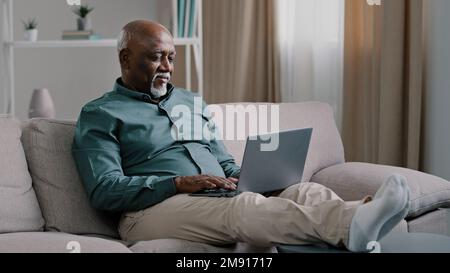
(190, 184)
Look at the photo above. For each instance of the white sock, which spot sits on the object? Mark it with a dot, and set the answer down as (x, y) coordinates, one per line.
(393, 222)
(372, 221)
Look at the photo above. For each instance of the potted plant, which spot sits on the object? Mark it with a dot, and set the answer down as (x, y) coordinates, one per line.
(83, 21)
(31, 32)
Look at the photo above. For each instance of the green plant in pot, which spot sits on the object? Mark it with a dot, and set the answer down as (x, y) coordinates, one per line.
(31, 32)
(83, 21)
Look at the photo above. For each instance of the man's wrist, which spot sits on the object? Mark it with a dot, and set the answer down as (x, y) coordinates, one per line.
(176, 181)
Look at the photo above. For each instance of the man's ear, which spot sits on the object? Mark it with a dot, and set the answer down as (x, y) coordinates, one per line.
(124, 58)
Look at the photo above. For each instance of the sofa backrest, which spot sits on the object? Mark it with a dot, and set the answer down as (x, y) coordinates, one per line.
(19, 208)
(61, 194)
(326, 148)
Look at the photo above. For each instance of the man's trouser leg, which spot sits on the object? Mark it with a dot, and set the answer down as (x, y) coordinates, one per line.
(304, 213)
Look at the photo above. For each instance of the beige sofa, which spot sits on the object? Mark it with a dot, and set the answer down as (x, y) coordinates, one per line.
(43, 206)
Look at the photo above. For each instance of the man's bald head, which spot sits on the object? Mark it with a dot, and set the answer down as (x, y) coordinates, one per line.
(146, 53)
(139, 30)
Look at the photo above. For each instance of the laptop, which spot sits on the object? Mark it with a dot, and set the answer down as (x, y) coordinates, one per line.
(266, 170)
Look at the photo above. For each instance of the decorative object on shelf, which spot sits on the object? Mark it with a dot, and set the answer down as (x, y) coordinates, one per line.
(41, 104)
(31, 32)
(83, 21)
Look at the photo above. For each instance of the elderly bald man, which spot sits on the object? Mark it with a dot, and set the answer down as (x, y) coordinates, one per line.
(130, 163)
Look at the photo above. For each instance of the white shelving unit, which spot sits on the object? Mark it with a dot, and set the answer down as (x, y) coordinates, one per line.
(194, 44)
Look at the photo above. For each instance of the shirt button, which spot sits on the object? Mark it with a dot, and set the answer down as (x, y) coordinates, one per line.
(146, 98)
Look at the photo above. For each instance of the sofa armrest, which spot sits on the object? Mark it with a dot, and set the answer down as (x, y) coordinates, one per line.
(353, 181)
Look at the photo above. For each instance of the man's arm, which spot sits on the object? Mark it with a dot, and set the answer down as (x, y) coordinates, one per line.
(96, 151)
(225, 160)
(218, 149)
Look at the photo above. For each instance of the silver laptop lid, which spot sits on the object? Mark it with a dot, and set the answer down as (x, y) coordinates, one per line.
(274, 161)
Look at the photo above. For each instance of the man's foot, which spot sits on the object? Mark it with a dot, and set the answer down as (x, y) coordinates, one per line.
(393, 222)
(372, 221)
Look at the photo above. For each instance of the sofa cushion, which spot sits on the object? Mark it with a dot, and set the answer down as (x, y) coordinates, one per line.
(353, 181)
(326, 147)
(183, 246)
(19, 208)
(59, 189)
(175, 246)
(437, 222)
(56, 242)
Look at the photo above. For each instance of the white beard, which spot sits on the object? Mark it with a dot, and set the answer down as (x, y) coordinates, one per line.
(157, 93)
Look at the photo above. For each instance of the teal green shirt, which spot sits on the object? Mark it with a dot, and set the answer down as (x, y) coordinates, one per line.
(128, 148)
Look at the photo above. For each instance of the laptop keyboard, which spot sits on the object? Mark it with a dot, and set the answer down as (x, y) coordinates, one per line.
(217, 192)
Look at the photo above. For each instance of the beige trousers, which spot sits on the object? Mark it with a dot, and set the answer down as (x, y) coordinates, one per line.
(304, 213)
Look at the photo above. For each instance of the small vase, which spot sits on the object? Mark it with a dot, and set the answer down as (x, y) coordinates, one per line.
(41, 105)
(31, 35)
(84, 24)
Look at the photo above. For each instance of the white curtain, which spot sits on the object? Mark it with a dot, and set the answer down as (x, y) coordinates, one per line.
(311, 37)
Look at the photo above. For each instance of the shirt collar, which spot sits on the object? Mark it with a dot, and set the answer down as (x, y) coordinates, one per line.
(119, 88)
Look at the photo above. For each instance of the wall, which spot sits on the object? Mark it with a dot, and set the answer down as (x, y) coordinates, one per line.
(437, 99)
(76, 75)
